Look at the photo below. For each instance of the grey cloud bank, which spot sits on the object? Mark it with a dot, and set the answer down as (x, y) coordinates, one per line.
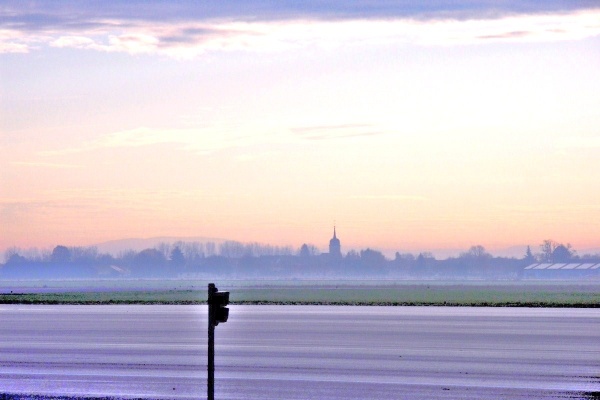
(185, 29)
(76, 14)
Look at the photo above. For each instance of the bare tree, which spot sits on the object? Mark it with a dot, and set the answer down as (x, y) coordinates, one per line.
(546, 249)
(308, 250)
(563, 253)
(61, 255)
(476, 252)
(164, 248)
(84, 255)
(529, 255)
(10, 252)
(176, 257)
(231, 249)
(210, 249)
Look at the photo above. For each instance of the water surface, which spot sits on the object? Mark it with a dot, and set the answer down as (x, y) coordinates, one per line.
(302, 352)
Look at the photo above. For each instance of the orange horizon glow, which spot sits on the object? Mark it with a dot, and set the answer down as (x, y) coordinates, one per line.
(411, 129)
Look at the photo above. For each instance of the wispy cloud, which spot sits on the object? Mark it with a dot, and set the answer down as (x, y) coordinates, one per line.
(213, 138)
(93, 200)
(323, 132)
(203, 140)
(42, 165)
(541, 210)
(393, 197)
(187, 30)
(16, 209)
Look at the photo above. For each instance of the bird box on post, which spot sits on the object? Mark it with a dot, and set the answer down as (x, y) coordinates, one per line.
(217, 310)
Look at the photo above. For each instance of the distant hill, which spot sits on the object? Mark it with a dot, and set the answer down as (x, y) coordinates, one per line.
(137, 244)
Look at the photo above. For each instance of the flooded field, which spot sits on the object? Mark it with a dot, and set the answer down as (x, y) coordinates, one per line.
(301, 352)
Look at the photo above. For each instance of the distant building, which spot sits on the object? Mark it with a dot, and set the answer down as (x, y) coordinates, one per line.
(588, 269)
(335, 248)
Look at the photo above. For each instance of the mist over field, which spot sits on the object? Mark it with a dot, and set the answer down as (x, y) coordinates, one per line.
(234, 260)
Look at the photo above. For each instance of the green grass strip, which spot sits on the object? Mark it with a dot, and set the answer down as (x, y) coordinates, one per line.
(457, 295)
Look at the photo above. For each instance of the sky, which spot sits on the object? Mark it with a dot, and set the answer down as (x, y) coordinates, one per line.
(409, 126)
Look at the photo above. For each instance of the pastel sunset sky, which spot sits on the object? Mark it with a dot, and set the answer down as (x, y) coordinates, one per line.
(412, 126)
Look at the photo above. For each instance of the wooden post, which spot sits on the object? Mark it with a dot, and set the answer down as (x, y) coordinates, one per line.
(211, 345)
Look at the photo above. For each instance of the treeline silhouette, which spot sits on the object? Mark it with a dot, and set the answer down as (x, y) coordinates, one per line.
(230, 259)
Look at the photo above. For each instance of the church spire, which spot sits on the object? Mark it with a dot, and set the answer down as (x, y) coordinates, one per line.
(334, 245)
